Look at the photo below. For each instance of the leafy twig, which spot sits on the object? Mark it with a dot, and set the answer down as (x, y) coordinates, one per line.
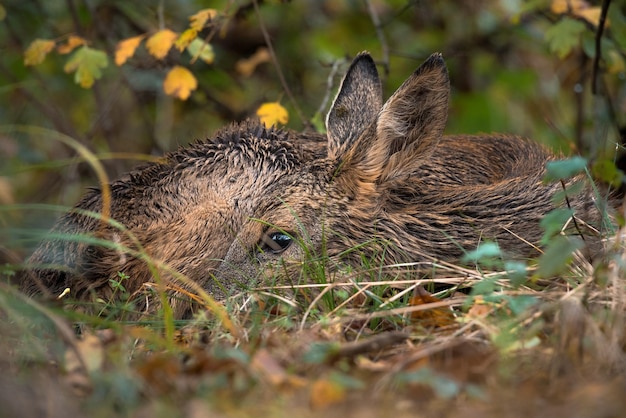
(279, 71)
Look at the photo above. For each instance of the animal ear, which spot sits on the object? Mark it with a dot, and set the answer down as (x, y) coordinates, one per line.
(408, 127)
(356, 106)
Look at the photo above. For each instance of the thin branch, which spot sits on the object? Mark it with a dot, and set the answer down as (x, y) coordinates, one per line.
(329, 86)
(596, 59)
(279, 71)
(380, 34)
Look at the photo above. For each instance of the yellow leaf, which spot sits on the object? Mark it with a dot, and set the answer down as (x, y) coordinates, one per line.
(126, 49)
(37, 51)
(179, 82)
(578, 8)
(246, 67)
(592, 15)
(198, 20)
(72, 42)
(160, 43)
(567, 6)
(185, 39)
(3, 13)
(272, 114)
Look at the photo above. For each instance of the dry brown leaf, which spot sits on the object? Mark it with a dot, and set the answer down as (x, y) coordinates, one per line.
(179, 82)
(86, 357)
(435, 317)
(37, 51)
(6, 192)
(268, 367)
(272, 114)
(126, 49)
(479, 309)
(160, 43)
(246, 67)
(72, 43)
(325, 392)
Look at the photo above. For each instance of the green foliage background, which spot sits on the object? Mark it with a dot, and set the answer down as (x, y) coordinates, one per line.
(515, 67)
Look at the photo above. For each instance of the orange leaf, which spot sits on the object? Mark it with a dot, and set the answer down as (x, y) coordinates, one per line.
(37, 51)
(126, 49)
(246, 67)
(325, 392)
(72, 42)
(160, 43)
(272, 114)
(185, 39)
(200, 19)
(179, 82)
(435, 317)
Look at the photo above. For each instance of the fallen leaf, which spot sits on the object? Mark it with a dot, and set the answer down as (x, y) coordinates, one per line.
(199, 20)
(268, 367)
(246, 66)
(272, 114)
(6, 191)
(37, 51)
(185, 39)
(84, 358)
(179, 82)
(126, 49)
(160, 43)
(435, 317)
(71, 44)
(88, 64)
(200, 49)
(326, 392)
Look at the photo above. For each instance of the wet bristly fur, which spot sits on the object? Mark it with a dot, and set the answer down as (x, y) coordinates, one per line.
(386, 175)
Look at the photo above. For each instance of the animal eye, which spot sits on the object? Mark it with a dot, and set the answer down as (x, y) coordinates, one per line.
(276, 242)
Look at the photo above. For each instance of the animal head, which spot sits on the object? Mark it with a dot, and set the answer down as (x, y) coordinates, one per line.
(223, 210)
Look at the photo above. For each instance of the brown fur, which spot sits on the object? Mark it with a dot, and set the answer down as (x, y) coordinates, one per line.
(213, 211)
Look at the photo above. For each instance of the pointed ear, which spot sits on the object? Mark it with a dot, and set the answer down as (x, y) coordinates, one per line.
(408, 127)
(415, 116)
(356, 106)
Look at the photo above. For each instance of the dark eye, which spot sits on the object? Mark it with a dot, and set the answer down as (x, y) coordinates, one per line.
(276, 242)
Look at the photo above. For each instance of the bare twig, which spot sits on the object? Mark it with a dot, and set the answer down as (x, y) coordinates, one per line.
(329, 86)
(380, 34)
(596, 59)
(372, 344)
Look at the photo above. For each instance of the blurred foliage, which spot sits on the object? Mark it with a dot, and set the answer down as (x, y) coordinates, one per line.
(523, 67)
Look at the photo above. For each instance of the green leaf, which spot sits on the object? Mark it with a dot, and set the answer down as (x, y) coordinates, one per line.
(516, 272)
(557, 255)
(606, 171)
(520, 304)
(564, 36)
(553, 222)
(87, 63)
(199, 48)
(485, 251)
(562, 169)
(320, 352)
